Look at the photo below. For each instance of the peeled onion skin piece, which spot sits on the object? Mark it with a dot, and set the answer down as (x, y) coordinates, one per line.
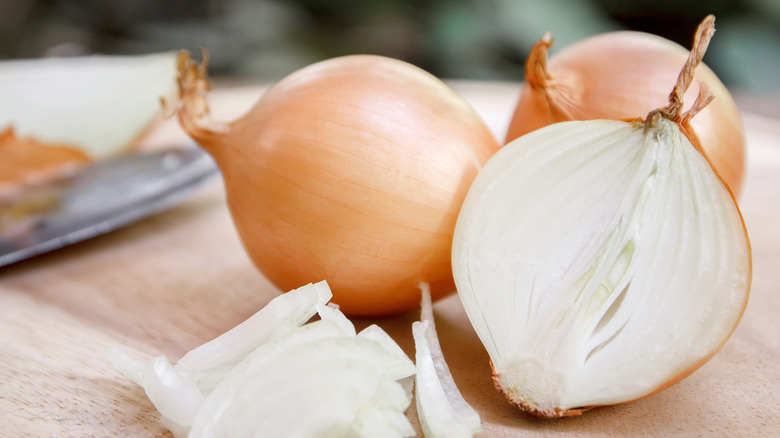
(441, 408)
(621, 76)
(353, 170)
(25, 159)
(99, 104)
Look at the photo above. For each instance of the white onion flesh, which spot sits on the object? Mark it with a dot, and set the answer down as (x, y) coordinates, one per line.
(442, 411)
(308, 380)
(99, 104)
(277, 316)
(599, 263)
(176, 397)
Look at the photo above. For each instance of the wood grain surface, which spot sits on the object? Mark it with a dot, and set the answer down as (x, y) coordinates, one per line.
(180, 278)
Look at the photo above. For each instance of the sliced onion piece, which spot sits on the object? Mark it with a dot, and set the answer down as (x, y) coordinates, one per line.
(440, 406)
(99, 104)
(304, 385)
(281, 314)
(177, 391)
(600, 262)
(299, 398)
(380, 423)
(316, 379)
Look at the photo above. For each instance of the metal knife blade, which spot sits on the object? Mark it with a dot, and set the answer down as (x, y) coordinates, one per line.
(103, 197)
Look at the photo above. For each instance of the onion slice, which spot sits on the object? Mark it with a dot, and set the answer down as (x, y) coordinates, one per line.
(25, 161)
(278, 315)
(599, 263)
(442, 411)
(276, 376)
(351, 169)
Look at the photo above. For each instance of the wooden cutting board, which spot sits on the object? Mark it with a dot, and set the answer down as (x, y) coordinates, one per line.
(180, 278)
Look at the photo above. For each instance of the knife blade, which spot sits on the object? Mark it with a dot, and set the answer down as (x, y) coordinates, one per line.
(105, 196)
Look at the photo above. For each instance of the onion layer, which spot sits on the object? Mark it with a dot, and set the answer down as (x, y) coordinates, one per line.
(352, 169)
(620, 76)
(442, 411)
(26, 159)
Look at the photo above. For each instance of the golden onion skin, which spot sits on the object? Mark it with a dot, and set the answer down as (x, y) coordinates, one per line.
(351, 170)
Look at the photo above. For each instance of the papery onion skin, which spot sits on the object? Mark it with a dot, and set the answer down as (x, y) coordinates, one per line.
(25, 158)
(353, 170)
(623, 75)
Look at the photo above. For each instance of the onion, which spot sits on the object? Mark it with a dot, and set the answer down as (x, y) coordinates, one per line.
(59, 114)
(352, 169)
(97, 104)
(602, 261)
(621, 75)
(442, 411)
(274, 376)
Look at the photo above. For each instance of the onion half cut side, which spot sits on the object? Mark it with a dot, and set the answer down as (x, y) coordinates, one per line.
(599, 262)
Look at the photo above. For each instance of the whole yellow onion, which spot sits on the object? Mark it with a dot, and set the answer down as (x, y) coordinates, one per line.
(351, 170)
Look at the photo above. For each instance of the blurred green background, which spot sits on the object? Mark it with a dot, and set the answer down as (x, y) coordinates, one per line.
(477, 39)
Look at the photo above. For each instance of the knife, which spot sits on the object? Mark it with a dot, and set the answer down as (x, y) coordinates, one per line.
(103, 197)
